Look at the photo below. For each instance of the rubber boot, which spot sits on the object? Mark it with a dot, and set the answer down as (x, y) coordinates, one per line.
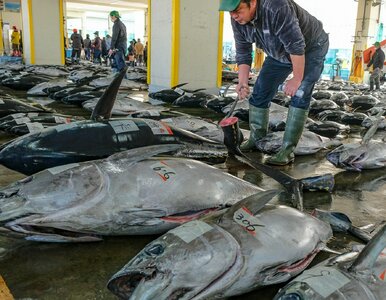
(258, 125)
(371, 86)
(293, 131)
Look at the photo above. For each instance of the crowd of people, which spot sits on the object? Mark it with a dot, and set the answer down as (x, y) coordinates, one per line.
(109, 50)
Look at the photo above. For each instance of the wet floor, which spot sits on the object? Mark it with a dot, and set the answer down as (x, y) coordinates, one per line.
(81, 271)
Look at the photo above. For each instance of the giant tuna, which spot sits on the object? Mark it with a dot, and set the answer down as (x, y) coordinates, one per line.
(128, 193)
(224, 254)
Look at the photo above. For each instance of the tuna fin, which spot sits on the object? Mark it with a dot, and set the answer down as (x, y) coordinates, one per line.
(253, 203)
(368, 256)
(373, 129)
(179, 85)
(102, 110)
(138, 154)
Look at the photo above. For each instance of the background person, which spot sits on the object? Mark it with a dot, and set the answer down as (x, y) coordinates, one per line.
(15, 41)
(377, 61)
(87, 47)
(118, 41)
(77, 45)
(97, 46)
(138, 48)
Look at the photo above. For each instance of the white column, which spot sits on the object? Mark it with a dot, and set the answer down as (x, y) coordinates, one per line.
(185, 43)
(43, 32)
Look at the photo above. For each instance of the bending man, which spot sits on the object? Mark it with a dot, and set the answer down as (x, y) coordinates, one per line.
(294, 41)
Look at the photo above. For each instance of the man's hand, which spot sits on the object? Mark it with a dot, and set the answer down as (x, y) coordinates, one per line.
(242, 90)
(292, 86)
(111, 52)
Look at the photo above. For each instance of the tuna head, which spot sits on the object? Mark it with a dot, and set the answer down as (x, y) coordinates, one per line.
(168, 268)
(357, 157)
(349, 156)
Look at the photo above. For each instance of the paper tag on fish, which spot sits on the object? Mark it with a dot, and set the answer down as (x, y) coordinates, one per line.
(61, 120)
(163, 170)
(32, 115)
(124, 126)
(60, 169)
(63, 127)
(247, 220)
(191, 230)
(323, 280)
(179, 91)
(34, 127)
(189, 95)
(153, 113)
(157, 127)
(22, 120)
(17, 116)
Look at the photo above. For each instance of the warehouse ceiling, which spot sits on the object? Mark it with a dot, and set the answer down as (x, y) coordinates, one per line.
(106, 5)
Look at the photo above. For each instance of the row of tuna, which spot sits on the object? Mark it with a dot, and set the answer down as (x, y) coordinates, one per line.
(233, 230)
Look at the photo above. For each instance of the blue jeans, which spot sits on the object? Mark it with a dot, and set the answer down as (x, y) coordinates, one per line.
(119, 58)
(87, 53)
(273, 73)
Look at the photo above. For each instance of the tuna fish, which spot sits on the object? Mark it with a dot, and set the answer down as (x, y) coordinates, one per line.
(309, 143)
(369, 154)
(348, 276)
(364, 102)
(10, 106)
(129, 193)
(88, 140)
(248, 246)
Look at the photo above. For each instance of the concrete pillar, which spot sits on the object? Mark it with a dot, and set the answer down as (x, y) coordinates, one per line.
(365, 31)
(185, 43)
(43, 32)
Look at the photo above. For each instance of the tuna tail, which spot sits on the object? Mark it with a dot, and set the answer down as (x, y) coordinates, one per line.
(368, 256)
(104, 107)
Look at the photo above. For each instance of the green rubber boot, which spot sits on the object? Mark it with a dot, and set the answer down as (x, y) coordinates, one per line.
(258, 125)
(293, 131)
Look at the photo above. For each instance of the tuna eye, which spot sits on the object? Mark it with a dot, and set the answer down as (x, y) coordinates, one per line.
(156, 249)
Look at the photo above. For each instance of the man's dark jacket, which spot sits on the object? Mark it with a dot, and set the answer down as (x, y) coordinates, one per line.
(377, 59)
(281, 28)
(119, 38)
(77, 41)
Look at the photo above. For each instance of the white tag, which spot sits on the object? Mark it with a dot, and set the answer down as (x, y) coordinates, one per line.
(179, 91)
(124, 126)
(323, 280)
(61, 120)
(189, 95)
(17, 116)
(191, 230)
(34, 127)
(32, 115)
(168, 120)
(163, 170)
(1, 101)
(63, 127)
(153, 113)
(22, 120)
(157, 127)
(247, 220)
(60, 169)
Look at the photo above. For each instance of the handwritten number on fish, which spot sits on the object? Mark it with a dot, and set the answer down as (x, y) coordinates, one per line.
(163, 170)
(247, 220)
